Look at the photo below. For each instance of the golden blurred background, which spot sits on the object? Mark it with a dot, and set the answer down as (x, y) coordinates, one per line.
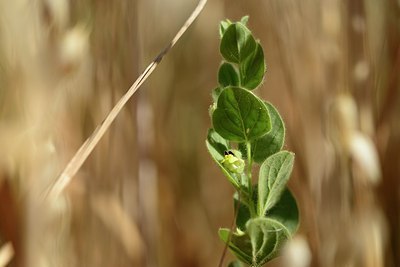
(149, 194)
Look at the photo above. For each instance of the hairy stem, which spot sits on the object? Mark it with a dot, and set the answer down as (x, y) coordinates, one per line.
(249, 180)
(221, 260)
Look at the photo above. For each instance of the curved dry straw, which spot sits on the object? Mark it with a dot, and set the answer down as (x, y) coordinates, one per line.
(87, 147)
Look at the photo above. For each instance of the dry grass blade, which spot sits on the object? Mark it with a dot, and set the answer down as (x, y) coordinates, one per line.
(84, 151)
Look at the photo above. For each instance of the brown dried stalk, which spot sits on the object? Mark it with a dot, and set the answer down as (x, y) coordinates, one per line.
(84, 151)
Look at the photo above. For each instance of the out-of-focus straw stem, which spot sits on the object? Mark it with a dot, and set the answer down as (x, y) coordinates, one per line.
(85, 150)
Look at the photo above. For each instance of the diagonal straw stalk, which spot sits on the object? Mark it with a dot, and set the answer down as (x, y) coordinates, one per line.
(87, 147)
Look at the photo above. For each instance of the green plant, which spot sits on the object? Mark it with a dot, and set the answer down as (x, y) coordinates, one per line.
(248, 133)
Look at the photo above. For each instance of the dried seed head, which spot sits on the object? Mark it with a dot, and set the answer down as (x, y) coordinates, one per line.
(297, 252)
(365, 156)
(343, 121)
(350, 141)
(6, 254)
(361, 71)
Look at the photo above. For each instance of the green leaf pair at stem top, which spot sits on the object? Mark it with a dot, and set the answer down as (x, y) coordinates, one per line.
(247, 133)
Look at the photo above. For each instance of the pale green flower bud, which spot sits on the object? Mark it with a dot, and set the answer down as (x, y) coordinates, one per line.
(233, 162)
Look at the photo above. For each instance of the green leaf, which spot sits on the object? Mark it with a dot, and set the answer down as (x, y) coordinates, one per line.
(273, 176)
(227, 75)
(215, 93)
(243, 214)
(260, 243)
(286, 212)
(240, 115)
(267, 238)
(239, 245)
(237, 43)
(244, 20)
(217, 146)
(223, 25)
(272, 142)
(252, 69)
(235, 264)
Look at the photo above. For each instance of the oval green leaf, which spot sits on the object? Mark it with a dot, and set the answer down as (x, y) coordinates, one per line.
(260, 243)
(244, 20)
(272, 142)
(215, 94)
(227, 75)
(237, 43)
(235, 264)
(243, 214)
(223, 25)
(252, 69)
(239, 245)
(240, 115)
(273, 176)
(286, 212)
(267, 238)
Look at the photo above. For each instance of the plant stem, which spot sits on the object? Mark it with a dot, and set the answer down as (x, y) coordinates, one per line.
(221, 260)
(249, 180)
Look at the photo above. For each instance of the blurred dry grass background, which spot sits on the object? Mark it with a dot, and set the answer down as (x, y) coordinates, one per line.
(150, 195)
